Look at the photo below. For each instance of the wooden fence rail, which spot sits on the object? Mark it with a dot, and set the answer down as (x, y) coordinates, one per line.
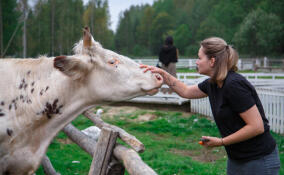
(109, 158)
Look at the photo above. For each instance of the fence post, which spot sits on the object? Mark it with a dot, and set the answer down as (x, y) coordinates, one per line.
(265, 62)
(240, 64)
(102, 154)
(47, 166)
(190, 63)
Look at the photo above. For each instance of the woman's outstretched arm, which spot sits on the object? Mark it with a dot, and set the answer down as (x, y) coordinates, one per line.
(176, 85)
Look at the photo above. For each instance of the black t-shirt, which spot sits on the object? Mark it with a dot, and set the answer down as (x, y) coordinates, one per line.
(237, 95)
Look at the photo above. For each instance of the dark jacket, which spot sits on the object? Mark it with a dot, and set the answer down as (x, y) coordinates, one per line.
(168, 54)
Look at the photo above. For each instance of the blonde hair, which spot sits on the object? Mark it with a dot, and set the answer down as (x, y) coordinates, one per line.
(226, 58)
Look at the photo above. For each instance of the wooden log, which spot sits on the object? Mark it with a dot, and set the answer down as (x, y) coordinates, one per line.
(123, 135)
(132, 161)
(103, 152)
(120, 152)
(47, 167)
(81, 139)
(78, 137)
(115, 167)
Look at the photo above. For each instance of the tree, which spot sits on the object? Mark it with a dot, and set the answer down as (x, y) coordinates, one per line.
(210, 27)
(144, 28)
(97, 17)
(163, 25)
(24, 9)
(164, 6)
(52, 24)
(127, 36)
(9, 25)
(54, 31)
(124, 38)
(276, 7)
(259, 34)
(182, 37)
(1, 30)
(223, 21)
(39, 35)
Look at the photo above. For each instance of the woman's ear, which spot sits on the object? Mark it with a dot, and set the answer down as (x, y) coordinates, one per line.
(212, 61)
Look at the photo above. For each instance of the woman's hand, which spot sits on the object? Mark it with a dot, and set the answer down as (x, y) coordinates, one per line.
(177, 86)
(153, 69)
(212, 141)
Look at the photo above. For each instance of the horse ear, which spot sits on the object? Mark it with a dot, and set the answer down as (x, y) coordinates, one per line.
(72, 67)
(87, 37)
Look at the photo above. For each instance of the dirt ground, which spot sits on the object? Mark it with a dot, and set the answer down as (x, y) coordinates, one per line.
(110, 111)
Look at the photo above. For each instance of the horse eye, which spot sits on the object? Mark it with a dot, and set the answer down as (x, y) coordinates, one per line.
(111, 62)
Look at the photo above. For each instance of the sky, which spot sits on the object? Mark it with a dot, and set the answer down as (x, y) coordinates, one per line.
(117, 6)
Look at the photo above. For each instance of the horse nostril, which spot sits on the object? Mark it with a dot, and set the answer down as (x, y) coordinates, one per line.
(158, 77)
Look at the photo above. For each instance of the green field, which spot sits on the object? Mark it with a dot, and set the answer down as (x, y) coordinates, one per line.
(171, 141)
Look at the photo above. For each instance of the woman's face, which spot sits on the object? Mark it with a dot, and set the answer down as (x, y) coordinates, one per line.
(204, 65)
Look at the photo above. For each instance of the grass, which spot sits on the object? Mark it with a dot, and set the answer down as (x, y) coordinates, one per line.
(171, 142)
(186, 70)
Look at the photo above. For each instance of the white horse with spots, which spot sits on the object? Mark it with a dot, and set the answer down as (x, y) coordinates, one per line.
(38, 97)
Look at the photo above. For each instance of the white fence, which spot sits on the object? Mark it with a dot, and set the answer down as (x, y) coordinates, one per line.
(201, 106)
(243, 64)
(182, 63)
(273, 104)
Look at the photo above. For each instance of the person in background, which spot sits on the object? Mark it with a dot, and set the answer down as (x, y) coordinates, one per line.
(168, 56)
(236, 108)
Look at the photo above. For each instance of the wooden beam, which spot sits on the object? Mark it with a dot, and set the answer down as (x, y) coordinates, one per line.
(87, 144)
(123, 135)
(81, 139)
(115, 167)
(103, 151)
(47, 167)
(132, 161)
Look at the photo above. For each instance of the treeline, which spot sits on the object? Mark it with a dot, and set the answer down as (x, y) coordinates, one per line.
(254, 27)
(51, 27)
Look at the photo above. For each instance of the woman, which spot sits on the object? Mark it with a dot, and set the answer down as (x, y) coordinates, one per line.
(236, 108)
(168, 56)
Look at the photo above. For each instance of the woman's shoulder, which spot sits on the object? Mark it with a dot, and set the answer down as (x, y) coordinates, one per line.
(234, 79)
